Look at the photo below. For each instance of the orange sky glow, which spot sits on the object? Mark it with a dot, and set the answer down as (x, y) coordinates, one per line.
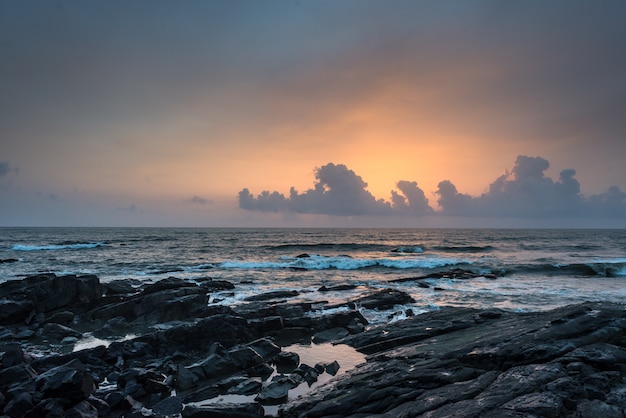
(165, 119)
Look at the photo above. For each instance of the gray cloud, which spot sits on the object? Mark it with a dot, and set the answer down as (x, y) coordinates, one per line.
(337, 191)
(200, 200)
(527, 192)
(413, 201)
(4, 168)
(523, 192)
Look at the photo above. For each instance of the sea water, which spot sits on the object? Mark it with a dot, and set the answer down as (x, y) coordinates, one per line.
(534, 269)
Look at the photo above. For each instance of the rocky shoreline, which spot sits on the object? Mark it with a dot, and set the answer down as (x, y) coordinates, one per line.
(173, 351)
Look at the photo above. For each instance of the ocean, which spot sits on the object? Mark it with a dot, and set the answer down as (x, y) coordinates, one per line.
(534, 269)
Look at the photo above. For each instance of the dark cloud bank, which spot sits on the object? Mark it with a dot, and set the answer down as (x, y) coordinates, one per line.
(523, 192)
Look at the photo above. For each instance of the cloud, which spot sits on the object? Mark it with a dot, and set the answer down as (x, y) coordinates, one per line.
(524, 192)
(414, 200)
(6, 169)
(337, 191)
(200, 200)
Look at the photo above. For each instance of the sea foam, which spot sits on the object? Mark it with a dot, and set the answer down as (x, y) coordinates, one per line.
(77, 246)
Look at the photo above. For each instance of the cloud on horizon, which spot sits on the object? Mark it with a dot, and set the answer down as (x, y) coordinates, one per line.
(523, 192)
(4, 168)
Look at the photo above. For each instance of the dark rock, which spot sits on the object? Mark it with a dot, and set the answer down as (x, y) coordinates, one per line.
(167, 284)
(224, 410)
(286, 361)
(20, 405)
(293, 335)
(82, 410)
(168, 406)
(117, 326)
(569, 361)
(16, 375)
(57, 332)
(69, 381)
(332, 368)
(265, 347)
(272, 323)
(249, 386)
(121, 287)
(161, 302)
(63, 317)
(262, 370)
(456, 274)
(337, 288)
(278, 294)
(214, 285)
(14, 311)
(277, 391)
(332, 334)
(77, 292)
(244, 357)
(12, 354)
(102, 407)
(307, 373)
(185, 378)
(49, 408)
(382, 299)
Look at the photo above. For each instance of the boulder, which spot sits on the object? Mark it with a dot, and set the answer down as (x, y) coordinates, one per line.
(75, 293)
(277, 294)
(224, 410)
(14, 311)
(168, 407)
(69, 381)
(57, 332)
(20, 405)
(286, 361)
(382, 299)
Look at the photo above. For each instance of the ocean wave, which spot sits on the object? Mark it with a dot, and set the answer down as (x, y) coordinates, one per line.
(465, 249)
(609, 267)
(606, 268)
(65, 246)
(409, 249)
(317, 262)
(346, 247)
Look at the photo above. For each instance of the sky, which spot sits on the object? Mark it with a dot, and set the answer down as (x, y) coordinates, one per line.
(313, 113)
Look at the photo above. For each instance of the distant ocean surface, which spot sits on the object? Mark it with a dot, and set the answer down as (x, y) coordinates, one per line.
(535, 269)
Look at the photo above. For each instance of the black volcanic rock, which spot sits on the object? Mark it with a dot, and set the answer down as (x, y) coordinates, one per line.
(382, 299)
(45, 293)
(465, 362)
(569, 361)
(277, 294)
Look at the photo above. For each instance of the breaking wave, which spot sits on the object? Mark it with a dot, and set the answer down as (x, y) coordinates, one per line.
(318, 262)
(64, 246)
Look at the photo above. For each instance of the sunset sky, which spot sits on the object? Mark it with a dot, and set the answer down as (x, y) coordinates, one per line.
(154, 113)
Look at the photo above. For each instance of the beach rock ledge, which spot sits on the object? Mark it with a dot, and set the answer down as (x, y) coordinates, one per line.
(457, 362)
(454, 362)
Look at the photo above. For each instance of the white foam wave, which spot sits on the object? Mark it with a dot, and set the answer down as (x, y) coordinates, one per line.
(316, 262)
(78, 246)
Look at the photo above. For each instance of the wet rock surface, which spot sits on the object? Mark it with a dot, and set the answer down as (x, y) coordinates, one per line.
(183, 351)
(463, 362)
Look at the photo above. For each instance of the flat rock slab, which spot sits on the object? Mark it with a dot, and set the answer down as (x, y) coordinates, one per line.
(569, 361)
